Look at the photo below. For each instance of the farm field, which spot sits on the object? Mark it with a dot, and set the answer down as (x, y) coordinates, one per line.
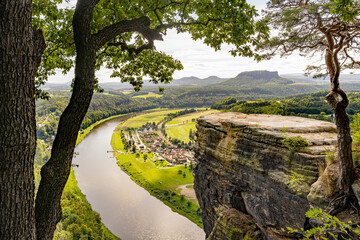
(149, 117)
(149, 95)
(189, 117)
(180, 126)
(181, 131)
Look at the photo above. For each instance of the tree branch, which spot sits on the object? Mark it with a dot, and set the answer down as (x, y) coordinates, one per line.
(39, 46)
(140, 25)
(132, 50)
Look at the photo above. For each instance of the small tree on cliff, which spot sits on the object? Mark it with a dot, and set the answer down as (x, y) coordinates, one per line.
(120, 34)
(329, 28)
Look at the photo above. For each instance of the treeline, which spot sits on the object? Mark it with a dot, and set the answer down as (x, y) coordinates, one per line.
(306, 105)
(171, 116)
(102, 106)
(106, 105)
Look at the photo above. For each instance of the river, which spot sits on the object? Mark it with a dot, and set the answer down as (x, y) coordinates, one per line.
(127, 209)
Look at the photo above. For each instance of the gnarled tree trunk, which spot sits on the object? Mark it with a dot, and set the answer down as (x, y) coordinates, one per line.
(346, 165)
(55, 172)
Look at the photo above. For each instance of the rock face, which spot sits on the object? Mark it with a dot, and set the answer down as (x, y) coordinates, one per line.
(243, 168)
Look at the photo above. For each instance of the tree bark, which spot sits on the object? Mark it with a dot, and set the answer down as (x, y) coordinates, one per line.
(20, 51)
(55, 172)
(346, 166)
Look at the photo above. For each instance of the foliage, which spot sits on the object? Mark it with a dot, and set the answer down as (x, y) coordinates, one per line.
(78, 219)
(131, 54)
(304, 105)
(296, 182)
(294, 143)
(101, 107)
(346, 9)
(225, 103)
(331, 227)
(355, 127)
(329, 157)
(289, 18)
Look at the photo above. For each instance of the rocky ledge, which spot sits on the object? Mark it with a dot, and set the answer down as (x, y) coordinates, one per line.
(243, 169)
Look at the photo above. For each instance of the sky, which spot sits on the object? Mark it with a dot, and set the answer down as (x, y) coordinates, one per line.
(202, 61)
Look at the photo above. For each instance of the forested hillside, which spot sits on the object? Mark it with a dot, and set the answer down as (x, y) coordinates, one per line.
(305, 105)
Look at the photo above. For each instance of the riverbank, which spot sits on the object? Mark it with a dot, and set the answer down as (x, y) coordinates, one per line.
(79, 220)
(161, 182)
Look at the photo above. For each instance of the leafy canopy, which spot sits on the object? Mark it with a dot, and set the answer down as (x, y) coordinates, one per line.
(314, 26)
(132, 55)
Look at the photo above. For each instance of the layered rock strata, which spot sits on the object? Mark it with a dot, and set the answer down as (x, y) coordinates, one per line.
(243, 168)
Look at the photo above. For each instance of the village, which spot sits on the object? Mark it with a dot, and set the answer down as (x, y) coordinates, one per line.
(148, 138)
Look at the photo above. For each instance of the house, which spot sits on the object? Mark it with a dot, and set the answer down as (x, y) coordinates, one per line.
(181, 160)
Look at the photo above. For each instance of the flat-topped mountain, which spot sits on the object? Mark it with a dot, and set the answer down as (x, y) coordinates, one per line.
(259, 74)
(256, 78)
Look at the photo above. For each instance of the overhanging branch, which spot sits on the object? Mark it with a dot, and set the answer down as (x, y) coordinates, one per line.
(140, 25)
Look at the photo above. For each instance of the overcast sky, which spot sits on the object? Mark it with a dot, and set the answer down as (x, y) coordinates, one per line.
(202, 61)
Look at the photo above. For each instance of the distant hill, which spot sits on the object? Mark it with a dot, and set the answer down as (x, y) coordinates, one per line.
(256, 79)
(195, 81)
(246, 85)
(183, 82)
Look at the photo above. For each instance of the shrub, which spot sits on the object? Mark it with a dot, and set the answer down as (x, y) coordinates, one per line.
(294, 143)
(331, 227)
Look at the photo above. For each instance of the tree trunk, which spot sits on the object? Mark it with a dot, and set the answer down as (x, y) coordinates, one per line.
(19, 60)
(55, 172)
(346, 166)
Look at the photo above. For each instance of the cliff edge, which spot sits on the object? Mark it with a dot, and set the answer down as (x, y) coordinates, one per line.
(243, 169)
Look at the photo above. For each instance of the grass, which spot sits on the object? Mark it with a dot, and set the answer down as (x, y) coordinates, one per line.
(149, 117)
(160, 163)
(181, 132)
(185, 123)
(116, 141)
(189, 117)
(162, 183)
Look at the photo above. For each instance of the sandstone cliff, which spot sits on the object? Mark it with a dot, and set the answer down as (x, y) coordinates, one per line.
(243, 168)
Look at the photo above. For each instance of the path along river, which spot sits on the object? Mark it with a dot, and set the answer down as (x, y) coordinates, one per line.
(127, 209)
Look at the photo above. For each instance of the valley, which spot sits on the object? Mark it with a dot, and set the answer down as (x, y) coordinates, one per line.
(154, 146)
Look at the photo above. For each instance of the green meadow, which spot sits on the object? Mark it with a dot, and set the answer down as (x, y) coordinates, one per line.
(149, 95)
(138, 121)
(181, 132)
